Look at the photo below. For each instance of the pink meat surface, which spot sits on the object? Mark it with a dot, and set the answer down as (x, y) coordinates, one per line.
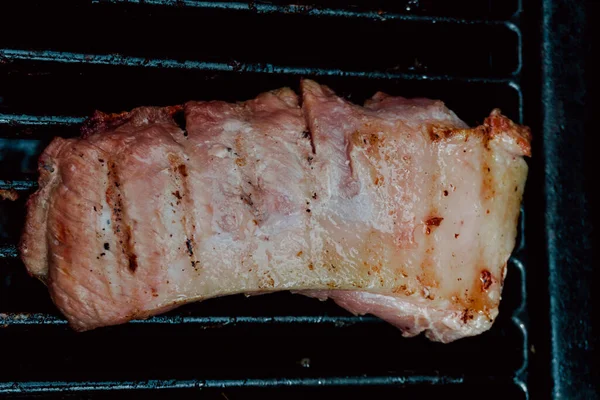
(396, 209)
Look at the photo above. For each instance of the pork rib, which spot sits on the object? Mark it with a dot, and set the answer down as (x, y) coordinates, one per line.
(396, 208)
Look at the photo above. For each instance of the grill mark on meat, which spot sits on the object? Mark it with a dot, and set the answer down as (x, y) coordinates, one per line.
(379, 147)
(350, 186)
(100, 122)
(118, 218)
(250, 189)
(182, 169)
(428, 277)
(467, 315)
(431, 223)
(184, 204)
(247, 199)
(487, 187)
(434, 221)
(190, 249)
(308, 133)
(129, 250)
(368, 144)
(439, 132)
(476, 300)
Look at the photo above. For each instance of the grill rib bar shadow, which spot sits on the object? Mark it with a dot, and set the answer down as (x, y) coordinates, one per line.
(15, 319)
(57, 386)
(313, 11)
(9, 55)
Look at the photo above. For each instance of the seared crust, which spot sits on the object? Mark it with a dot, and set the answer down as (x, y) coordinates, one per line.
(102, 122)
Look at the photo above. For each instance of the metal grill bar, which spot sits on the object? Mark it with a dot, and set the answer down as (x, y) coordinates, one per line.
(38, 120)
(266, 68)
(8, 251)
(49, 387)
(520, 376)
(19, 319)
(17, 185)
(262, 8)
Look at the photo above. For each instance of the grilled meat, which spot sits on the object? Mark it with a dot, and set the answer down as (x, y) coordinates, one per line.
(397, 209)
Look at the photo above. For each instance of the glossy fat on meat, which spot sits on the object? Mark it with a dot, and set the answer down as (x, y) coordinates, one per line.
(396, 208)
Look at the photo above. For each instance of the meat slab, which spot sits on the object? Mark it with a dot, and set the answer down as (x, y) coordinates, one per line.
(396, 209)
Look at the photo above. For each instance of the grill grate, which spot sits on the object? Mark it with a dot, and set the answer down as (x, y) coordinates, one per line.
(50, 83)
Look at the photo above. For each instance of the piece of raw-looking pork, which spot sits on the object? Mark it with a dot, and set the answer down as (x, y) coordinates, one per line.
(397, 209)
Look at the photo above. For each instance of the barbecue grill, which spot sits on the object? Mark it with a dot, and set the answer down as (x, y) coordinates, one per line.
(61, 61)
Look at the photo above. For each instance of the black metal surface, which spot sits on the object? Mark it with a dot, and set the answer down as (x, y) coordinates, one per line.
(76, 56)
(567, 118)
